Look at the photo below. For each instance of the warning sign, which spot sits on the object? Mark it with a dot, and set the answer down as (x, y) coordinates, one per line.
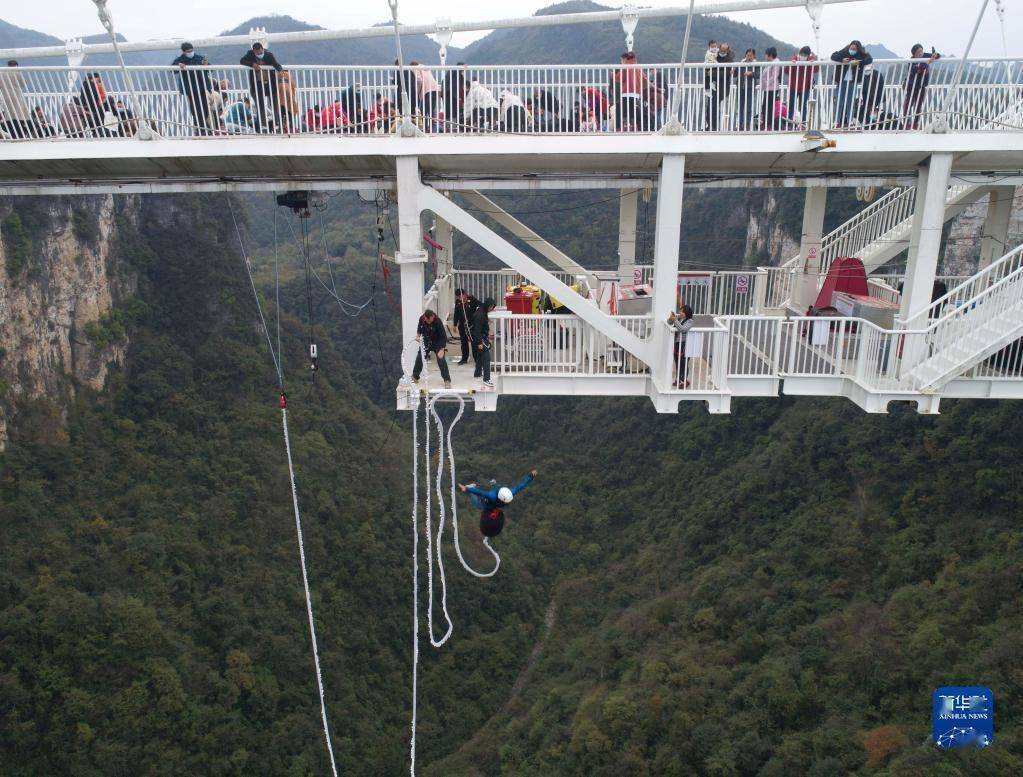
(742, 284)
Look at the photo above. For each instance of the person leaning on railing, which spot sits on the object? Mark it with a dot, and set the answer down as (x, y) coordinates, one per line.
(629, 88)
(748, 78)
(263, 76)
(916, 85)
(194, 83)
(801, 79)
(848, 75)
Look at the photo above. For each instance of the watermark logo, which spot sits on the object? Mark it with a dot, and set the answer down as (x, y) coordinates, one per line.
(964, 716)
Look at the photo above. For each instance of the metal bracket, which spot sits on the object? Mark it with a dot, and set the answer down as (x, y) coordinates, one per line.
(630, 20)
(443, 36)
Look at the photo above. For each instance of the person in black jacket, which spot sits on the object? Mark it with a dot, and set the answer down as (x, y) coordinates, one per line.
(481, 338)
(405, 81)
(454, 95)
(263, 69)
(195, 85)
(871, 111)
(852, 59)
(916, 85)
(466, 306)
(434, 338)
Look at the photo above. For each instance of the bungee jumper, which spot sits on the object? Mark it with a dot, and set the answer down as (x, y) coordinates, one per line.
(491, 501)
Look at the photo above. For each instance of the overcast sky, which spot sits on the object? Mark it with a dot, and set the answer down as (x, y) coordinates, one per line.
(898, 24)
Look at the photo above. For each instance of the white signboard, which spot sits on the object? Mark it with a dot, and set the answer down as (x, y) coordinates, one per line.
(742, 284)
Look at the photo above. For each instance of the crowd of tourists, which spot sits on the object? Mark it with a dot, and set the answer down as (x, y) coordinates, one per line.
(736, 94)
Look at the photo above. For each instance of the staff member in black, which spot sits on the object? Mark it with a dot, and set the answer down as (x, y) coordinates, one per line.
(196, 85)
(434, 338)
(263, 69)
(466, 306)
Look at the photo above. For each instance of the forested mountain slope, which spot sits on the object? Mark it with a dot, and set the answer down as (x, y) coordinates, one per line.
(774, 592)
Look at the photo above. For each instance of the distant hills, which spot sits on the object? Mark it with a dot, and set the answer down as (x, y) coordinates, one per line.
(657, 40)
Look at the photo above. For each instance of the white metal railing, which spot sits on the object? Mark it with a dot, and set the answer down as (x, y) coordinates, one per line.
(698, 359)
(961, 327)
(966, 294)
(546, 344)
(493, 284)
(878, 289)
(520, 99)
(841, 347)
(722, 293)
(755, 345)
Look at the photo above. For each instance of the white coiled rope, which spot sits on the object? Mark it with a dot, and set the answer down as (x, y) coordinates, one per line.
(445, 448)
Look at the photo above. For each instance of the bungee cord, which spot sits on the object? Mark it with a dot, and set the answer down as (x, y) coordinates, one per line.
(277, 361)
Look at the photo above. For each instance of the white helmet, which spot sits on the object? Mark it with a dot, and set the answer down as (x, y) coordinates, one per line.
(504, 494)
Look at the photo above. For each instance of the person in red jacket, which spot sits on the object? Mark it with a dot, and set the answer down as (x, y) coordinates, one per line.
(801, 79)
(629, 86)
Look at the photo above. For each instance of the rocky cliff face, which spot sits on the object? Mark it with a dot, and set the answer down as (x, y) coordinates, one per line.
(61, 279)
(769, 238)
(962, 250)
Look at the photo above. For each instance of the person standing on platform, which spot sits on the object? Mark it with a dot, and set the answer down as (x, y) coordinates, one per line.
(434, 337)
(481, 339)
(681, 323)
(263, 69)
(195, 84)
(466, 306)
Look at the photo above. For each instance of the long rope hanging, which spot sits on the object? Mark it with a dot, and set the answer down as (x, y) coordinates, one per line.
(445, 450)
(277, 360)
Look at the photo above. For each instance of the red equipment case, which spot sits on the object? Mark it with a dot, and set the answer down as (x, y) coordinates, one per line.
(521, 302)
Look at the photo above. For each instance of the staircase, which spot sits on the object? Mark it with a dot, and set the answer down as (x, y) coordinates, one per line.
(879, 232)
(876, 234)
(966, 326)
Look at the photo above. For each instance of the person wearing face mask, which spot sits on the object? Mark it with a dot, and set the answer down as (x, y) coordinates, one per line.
(801, 79)
(851, 61)
(195, 84)
(263, 69)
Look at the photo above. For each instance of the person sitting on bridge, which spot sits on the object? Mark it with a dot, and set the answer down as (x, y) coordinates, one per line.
(263, 69)
(481, 106)
(238, 117)
(15, 118)
(195, 84)
(434, 337)
(490, 501)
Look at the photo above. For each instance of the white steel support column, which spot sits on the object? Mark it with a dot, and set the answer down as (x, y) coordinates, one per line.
(444, 234)
(994, 244)
(627, 208)
(804, 290)
(925, 241)
(666, 251)
(411, 256)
